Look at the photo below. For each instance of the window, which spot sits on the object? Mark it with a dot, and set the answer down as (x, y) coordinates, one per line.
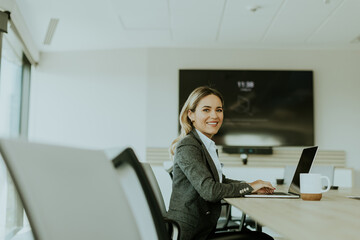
(10, 91)
(14, 92)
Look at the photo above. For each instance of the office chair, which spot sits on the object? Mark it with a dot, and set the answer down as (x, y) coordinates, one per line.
(69, 193)
(160, 200)
(142, 198)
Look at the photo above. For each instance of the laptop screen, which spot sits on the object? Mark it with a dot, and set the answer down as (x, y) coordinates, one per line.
(304, 165)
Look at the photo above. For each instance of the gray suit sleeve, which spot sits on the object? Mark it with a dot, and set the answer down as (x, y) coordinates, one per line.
(192, 163)
(228, 180)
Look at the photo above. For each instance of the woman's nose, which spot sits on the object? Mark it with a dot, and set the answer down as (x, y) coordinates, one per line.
(214, 114)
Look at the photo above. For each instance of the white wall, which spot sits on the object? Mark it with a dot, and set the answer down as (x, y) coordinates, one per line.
(106, 98)
(90, 99)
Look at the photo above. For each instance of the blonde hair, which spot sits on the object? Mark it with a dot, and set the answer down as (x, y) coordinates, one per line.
(191, 104)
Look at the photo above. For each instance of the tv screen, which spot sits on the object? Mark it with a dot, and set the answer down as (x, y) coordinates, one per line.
(262, 107)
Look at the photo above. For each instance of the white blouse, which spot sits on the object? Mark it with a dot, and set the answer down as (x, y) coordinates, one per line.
(211, 148)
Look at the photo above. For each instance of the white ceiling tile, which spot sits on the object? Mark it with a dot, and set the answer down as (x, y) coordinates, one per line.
(309, 7)
(242, 25)
(342, 27)
(143, 14)
(266, 7)
(298, 20)
(84, 36)
(195, 20)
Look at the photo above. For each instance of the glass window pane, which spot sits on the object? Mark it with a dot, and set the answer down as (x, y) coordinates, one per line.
(10, 91)
(11, 80)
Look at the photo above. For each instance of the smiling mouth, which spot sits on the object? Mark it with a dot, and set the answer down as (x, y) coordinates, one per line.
(213, 123)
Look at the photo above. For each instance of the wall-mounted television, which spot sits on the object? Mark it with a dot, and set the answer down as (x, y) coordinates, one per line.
(262, 107)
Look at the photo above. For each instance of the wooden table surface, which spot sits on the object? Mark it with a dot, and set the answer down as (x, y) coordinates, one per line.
(335, 216)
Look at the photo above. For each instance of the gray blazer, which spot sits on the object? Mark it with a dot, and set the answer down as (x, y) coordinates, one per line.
(196, 191)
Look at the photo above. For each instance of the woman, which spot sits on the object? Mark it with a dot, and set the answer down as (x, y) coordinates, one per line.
(198, 182)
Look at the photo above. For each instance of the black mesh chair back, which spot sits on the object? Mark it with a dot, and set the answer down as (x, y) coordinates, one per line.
(140, 194)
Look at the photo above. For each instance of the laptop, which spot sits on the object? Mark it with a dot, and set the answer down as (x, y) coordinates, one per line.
(304, 165)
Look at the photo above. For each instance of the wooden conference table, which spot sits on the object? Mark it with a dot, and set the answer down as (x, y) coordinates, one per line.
(335, 216)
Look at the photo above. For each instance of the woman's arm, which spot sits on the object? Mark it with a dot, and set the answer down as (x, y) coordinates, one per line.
(228, 180)
(259, 186)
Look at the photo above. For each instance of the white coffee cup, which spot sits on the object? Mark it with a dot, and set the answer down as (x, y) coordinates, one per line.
(311, 186)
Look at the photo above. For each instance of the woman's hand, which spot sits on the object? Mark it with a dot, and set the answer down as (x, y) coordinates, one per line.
(262, 187)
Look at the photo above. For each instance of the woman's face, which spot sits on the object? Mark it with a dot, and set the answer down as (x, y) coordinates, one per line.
(208, 115)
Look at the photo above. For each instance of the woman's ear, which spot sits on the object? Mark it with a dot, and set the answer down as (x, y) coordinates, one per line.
(191, 115)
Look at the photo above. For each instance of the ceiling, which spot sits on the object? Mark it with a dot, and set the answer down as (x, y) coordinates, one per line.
(112, 24)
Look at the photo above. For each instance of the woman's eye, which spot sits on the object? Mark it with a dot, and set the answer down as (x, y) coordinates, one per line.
(206, 110)
(219, 110)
